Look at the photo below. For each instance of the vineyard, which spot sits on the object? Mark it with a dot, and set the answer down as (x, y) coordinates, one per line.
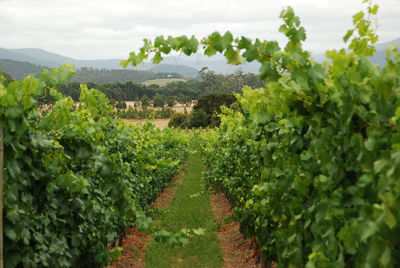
(310, 163)
(75, 178)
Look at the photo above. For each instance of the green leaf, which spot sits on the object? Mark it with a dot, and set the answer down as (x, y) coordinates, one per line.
(358, 16)
(199, 231)
(244, 43)
(348, 35)
(251, 53)
(373, 10)
(369, 144)
(10, 233)
(233, 56)
(368, 230)
(386, 257)
(380, 164)
(390, 220)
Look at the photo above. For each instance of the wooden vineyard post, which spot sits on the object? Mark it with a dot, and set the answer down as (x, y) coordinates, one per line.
(1, 195)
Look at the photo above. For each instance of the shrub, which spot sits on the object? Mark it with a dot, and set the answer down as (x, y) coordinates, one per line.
(178, 120)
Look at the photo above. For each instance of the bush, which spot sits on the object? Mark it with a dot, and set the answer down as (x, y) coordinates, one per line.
(179, 120)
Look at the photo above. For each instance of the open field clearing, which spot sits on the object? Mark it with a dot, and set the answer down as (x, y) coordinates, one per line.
(160, 123)
(177, 107)
(163, 81)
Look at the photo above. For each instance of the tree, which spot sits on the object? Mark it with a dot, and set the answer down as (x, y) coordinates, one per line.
(171, 101)
(210, 105)
(145, 101)
(121, 105)
(198, 119)
(158, 101)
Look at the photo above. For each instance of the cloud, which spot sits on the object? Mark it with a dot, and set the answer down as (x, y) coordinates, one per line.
(109, 29)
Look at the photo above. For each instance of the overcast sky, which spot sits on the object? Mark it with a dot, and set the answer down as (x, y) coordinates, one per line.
(94, 29)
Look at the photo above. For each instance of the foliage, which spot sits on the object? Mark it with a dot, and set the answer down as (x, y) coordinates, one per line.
(76, 177)
(311, 165)
(179, 120)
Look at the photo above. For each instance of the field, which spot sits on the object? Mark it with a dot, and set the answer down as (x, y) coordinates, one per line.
(177, 107)
(160, 123)
(163, 81)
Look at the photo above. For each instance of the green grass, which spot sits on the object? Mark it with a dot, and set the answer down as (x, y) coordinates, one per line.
(188, 212)
(162, 81)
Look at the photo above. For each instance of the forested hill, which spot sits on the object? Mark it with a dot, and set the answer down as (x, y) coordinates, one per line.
(18, 70)
(113, 76)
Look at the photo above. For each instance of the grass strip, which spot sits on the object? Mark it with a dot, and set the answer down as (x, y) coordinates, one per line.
(188, 209)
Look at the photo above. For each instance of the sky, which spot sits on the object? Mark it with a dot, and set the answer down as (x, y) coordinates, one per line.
(97, 29)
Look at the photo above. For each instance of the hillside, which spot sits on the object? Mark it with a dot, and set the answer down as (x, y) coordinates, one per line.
(113, 76)
(18, 70)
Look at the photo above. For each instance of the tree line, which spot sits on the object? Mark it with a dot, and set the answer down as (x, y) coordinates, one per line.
(207, 82)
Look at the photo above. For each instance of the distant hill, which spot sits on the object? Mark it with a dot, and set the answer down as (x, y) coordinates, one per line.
(181, 64)
(46, 58)
(43, 55)
(184, 65)
(171, 68)
(379, 56)
(216, 63)
(8, 54)
(19, 70)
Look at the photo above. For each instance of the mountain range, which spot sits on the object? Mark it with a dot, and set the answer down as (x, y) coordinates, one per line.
(181, 64)
(379, 56)
(187, 66)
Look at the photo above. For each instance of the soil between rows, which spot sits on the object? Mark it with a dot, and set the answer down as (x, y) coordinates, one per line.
(135, 243)
(237, 251)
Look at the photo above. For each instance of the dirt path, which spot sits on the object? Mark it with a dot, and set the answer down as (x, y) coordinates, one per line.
(237, 251)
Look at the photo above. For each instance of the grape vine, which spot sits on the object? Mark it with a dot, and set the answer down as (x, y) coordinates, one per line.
(311, 165)
(77, 177)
